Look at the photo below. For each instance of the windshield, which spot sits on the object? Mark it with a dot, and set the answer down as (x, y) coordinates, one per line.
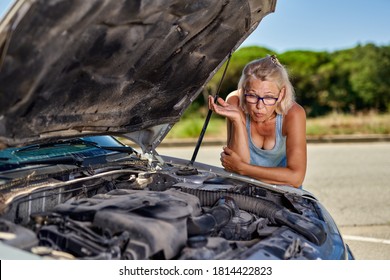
(77, 149)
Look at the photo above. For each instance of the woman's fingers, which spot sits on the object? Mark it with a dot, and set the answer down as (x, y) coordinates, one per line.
(211, 102)
(212, 105)
(227, 151)
(230, 159)
(223, 108)
(226, 158)
(222, 102)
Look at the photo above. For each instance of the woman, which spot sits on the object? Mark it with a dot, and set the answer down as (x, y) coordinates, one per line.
(266, 128)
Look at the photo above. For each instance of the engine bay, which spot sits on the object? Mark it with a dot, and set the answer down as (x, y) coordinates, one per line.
(177, 212)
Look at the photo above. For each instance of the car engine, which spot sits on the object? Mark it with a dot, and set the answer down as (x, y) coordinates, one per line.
(177, 212)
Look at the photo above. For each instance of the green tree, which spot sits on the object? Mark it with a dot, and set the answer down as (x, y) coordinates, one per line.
(335, 83)
(369, 77)
(310, 89)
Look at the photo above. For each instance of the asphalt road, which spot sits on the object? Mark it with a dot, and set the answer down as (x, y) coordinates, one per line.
(351, 180)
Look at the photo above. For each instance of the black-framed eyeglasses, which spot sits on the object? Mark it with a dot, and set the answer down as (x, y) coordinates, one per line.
(254, 99)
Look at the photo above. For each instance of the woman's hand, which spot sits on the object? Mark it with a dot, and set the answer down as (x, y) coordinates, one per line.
(231, 161)
(222, 108)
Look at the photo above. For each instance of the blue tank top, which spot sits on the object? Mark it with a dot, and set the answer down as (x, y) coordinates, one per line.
(276, 157)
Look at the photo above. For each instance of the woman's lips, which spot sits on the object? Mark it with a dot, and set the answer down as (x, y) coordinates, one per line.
(259, 115)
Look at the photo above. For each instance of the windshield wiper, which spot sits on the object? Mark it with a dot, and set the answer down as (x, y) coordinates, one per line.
(79, 141)
(56, 143)
(55, 160)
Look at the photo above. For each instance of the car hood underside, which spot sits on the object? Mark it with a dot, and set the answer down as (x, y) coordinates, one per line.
(72, 68)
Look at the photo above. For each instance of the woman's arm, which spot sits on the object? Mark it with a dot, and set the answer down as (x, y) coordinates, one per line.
(237, 138)
(294, 127)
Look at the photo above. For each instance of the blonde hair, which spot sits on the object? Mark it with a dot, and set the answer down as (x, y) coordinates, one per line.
(268, 69)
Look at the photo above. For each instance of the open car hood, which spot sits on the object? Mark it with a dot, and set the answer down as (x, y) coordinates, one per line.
(73, 67)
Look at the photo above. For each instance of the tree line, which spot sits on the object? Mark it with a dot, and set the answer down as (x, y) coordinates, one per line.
(350, 81)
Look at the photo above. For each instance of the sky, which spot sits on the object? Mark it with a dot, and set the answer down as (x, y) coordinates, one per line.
(318, 25)
(323, 25)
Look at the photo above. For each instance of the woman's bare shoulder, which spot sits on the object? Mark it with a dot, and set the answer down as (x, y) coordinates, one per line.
(294, 119)
(296, 111)
(233, 98)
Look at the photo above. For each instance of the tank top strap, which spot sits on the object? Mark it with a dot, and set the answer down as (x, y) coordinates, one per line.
(279, 125)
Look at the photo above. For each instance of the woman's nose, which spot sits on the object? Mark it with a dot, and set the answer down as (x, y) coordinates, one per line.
(260, 104)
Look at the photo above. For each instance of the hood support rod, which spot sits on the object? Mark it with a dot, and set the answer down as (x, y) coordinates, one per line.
(200, 139)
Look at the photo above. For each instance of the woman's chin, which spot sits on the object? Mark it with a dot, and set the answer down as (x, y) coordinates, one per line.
(259, 117)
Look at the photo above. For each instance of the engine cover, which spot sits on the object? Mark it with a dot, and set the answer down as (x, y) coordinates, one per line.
(131, 224)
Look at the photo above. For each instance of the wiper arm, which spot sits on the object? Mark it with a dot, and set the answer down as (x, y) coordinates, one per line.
(56, 143)
(79, 141)
(60, 160)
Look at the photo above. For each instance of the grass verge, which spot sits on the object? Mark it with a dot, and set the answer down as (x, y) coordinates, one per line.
(338, 124)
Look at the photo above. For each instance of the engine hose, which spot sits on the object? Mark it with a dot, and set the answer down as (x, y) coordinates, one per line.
(214, 219)
(313, 230)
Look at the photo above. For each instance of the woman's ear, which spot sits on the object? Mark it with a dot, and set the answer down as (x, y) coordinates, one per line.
(282, 94)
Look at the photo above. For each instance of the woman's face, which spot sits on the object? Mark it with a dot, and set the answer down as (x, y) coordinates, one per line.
(257, 108)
